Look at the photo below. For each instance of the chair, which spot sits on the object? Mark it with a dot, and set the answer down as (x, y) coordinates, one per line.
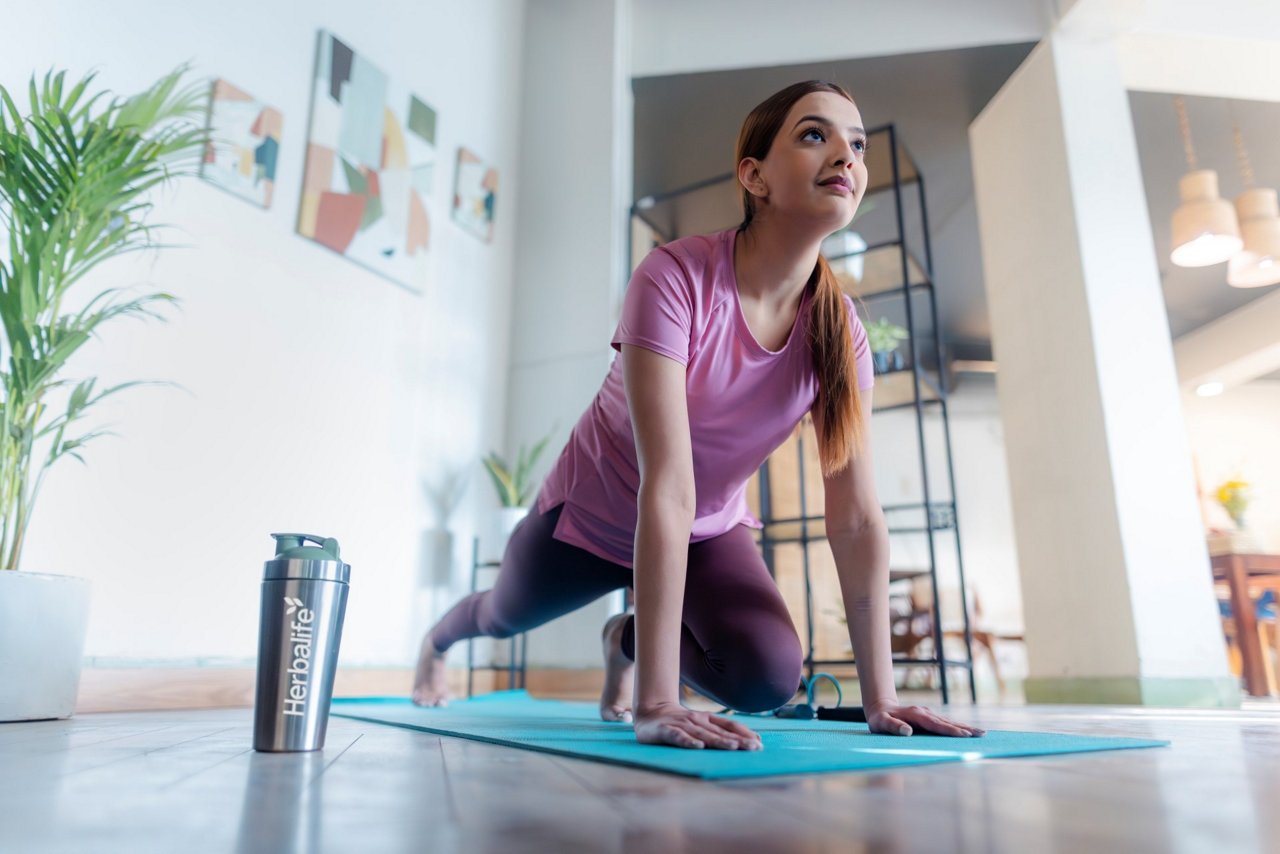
(911, 625)
(1268, 637)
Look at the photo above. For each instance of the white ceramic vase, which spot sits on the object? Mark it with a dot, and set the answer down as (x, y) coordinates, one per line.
(841, 244)
(43, 619)
(508, 518)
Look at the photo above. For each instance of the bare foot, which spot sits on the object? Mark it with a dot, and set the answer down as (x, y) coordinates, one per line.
(615, 699)
(431, 681)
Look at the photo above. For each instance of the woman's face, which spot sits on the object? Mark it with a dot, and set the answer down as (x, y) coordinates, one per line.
(822, 139)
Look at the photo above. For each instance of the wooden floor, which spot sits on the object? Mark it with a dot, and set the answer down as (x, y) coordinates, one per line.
(187, 781)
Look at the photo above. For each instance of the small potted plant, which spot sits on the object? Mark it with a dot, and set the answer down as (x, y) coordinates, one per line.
(72, 195)
(1234, 497)
(883, 337)
(513, 485)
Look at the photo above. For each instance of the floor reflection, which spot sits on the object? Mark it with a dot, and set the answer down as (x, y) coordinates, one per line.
(282, 804)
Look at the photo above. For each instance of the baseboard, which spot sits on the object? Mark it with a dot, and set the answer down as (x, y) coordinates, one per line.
(132, 689)
(1134, 691)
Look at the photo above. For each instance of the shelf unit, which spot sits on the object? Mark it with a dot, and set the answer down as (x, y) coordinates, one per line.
(517, 668)
(888, 273)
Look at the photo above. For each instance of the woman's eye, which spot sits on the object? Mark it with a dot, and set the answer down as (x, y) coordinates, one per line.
(859, 145)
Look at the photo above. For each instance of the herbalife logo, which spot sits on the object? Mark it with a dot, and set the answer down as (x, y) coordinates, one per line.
(300, 639)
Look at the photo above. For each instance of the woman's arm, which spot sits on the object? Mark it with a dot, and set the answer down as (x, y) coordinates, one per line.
(859, 540)
(655, 388)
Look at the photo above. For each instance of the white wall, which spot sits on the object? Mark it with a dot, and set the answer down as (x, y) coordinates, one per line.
(1234, 434)
(571, 250)
(321, 397)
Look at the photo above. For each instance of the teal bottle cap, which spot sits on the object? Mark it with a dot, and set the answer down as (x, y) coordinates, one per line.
(295, 559)
(290, 546)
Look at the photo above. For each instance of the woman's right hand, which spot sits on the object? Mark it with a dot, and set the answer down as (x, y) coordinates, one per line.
(674, 725)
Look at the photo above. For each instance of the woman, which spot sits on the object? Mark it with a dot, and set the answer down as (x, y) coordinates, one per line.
(726, 341)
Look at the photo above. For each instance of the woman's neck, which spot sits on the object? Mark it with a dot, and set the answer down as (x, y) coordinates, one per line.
(772, 265)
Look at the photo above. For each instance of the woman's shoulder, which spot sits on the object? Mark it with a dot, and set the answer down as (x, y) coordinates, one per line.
(699, 245)
(696, 260)
(693, 251)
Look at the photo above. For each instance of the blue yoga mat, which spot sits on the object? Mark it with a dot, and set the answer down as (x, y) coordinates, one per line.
(574, 729)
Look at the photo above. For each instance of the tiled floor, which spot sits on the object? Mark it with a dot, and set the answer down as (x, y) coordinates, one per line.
(188, 782)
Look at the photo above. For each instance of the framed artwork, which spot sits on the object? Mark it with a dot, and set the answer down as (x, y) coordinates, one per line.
(371, 156)
(244, 143)
(475, 189)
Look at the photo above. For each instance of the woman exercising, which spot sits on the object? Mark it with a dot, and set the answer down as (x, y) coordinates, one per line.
(726, 340)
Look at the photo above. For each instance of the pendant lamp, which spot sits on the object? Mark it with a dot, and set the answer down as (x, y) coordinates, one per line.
(1258, 263)
(1204, 226)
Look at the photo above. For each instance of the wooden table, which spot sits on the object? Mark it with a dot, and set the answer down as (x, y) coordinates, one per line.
(1240, 571)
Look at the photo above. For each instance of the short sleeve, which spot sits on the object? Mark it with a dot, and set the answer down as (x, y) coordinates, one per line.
(861, 347)
(657, 308)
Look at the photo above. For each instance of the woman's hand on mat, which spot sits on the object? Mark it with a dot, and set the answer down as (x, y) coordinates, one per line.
(674, 725)
(892, 719)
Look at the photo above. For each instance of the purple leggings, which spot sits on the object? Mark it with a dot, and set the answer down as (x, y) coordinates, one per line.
(738, 645)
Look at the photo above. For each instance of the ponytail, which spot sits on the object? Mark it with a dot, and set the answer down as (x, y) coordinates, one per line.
(838, 413)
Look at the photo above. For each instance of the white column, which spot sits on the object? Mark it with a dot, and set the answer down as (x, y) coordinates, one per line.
(1117, 593)
(570, 258)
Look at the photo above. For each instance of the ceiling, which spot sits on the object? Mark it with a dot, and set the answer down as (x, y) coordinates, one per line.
(686, 127)
(1195, 296)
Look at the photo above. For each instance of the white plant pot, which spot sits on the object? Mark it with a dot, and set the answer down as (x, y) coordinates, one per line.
(508, 518)
(497, 532)
(43, 619)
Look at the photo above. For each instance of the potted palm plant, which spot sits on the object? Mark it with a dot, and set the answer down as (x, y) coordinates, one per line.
(513, 485)
(72, 187)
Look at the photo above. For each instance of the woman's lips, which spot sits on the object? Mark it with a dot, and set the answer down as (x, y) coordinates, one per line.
(838, 187)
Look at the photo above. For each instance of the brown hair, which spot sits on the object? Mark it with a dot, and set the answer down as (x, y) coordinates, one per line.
(840, 426)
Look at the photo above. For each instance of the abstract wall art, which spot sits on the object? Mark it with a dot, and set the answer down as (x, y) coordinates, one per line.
(244, 143)
(371, 154)
(475, 190)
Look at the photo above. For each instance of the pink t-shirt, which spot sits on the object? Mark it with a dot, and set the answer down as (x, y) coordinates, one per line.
(743, 400)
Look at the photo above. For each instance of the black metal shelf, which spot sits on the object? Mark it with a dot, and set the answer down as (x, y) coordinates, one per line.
(905, 662)
(881, 271)
(895, 390)
(890, 271)
(814, 528)
(518, 668)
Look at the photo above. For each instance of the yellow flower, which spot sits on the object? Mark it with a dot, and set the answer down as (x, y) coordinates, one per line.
(1233, 496)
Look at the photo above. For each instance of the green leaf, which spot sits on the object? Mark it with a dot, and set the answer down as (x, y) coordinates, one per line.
(502, 482)
(523, 487)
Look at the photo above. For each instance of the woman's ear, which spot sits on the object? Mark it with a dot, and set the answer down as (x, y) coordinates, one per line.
(750, 177)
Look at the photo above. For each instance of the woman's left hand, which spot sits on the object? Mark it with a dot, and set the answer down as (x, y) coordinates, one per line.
(892, 719)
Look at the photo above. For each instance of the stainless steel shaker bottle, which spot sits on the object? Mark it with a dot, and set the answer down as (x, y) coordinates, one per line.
(304, 597)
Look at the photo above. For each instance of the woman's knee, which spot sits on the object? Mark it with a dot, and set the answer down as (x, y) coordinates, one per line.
(765, 673)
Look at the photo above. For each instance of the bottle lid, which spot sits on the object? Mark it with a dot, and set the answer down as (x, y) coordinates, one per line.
(294, 559)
